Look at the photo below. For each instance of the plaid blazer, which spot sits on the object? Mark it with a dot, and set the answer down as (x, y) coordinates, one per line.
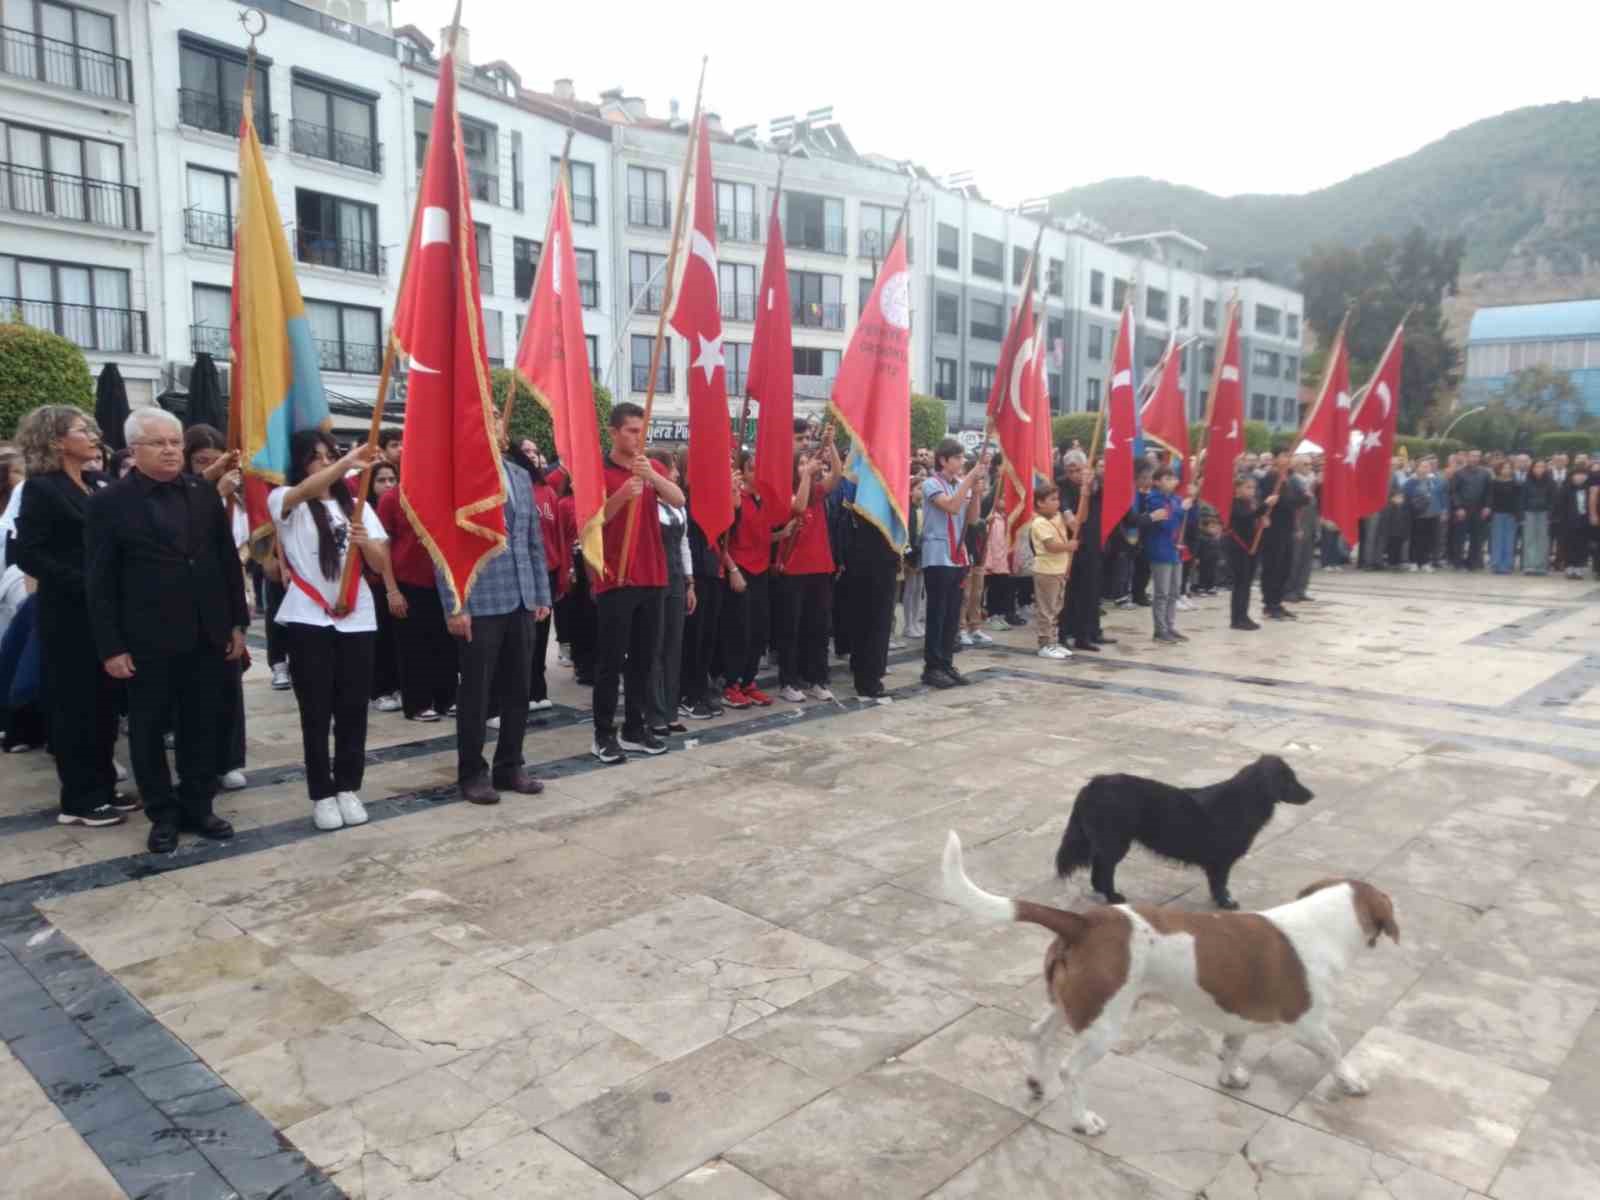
(516, 577)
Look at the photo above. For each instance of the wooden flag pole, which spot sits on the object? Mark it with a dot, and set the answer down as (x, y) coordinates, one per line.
(667, 297)
(511, 392)
(1366, 388)
(744, 409)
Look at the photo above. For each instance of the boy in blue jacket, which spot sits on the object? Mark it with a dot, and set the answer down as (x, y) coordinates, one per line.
(1161, 522)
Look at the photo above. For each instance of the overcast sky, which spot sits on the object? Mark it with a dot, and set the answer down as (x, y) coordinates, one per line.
(1229, 97)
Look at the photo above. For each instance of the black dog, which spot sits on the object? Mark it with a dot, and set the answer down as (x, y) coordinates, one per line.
(1210, 827)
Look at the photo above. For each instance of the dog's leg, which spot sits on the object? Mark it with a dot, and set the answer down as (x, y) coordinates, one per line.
(1217, 877)
(1322, 1042)
(1088, 1048)
(1103, 875)
(1042, 1031)
(1234, 1074)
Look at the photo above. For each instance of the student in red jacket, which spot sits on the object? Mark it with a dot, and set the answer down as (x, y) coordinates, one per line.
(805, 578)
(746, 577)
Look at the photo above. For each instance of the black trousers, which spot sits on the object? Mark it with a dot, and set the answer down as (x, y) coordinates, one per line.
(628, 624)
(277, 638)
(944, 616)
(583, 621)
(427, 653)
(80, 706)
(841, 625)
(870, 574)
(1277, 555)
(745, 619)
(230, 719)
(702, 630)
(1477, 537)
(805, 604)
(1242, 564)
(494, 682)
(385, 654)
(1080, 615)
(666, 666)
(186, 690)
(332, 675)
(538, 686)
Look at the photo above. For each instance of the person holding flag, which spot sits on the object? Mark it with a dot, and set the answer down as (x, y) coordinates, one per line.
(1225, 439)
(1117, 486)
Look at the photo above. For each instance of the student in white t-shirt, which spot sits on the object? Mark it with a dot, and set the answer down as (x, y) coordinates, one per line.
(330, 649)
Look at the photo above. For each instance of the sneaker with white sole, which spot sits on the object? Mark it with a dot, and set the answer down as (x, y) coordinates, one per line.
(980, 638)
(1054, 652)
(607, 750)
(1185, 604)
(540, 705)
(325, 814)
(351, 809)
(231, 781)
(389, 703)
(493, 723)
(816, 692)
(792, 694)
(998, 624)
(280, 677)
(965, 639)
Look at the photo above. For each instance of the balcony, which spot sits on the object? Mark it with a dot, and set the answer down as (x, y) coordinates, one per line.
(829, 239)
(648, 299)
(202, 110)
(485, 184)
(876, 245)
(738, 226)
(335, 145)
(989, 333)
(817, 316)
(342, 254)
(210, 339)
(589, 293)
(647, 214)
(93, 72)
(90, 327)
(739, 306)
(353, 358)
(211, 230)
(641, 379)
(813, 387)
(69, 197)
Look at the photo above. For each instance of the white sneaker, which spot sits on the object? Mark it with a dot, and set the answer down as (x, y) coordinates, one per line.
(1411, 566)
(325, 814)
(998, 624)
(897, 644)
(1185, 604)
(818, 693)
(389, 703)
(231, 781)
(493, 723)
(792, 694)
(980, 638)
(965, 639)
(540, 705)
(351, 809)
(1054, 652)
(280, 681)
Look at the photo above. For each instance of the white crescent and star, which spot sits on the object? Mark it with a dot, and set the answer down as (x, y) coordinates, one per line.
(700, 246)
(710, 356)
(1019, 364)
(1343, 400)
(1353, 450)
(555, 266)
(434, 230)
(1233, 431)
(1383, 394)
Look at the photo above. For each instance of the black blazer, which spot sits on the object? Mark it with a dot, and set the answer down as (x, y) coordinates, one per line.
(145, 595)
(49, 544)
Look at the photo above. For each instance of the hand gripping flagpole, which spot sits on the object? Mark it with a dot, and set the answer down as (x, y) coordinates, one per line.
(667, 298)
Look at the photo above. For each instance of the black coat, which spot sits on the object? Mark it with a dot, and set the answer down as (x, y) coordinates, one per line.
(49, 547)
(146, 596)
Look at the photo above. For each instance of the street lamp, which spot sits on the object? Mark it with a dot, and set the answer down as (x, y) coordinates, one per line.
(1480, 408)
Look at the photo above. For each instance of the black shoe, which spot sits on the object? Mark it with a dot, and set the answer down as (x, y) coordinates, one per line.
(1246, 624)
(1102, 640)
(478, 790)
(870, 691)
(677, 727)
(1179, 637)
(936, 678)
(607, 750)
(96, 817)
(163, 838)
(583, 680)
(212, 827)
(520, 781)
(957, 677)
(700, 711)
(125, 804)
(661, 731)
(1142, 602)
(1080, 644)
(643, 742)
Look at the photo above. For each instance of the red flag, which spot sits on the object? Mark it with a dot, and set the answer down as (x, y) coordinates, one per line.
(450, 478)
(1043, 449)
(1374, 423)
(1012, 398)
(554, 360)
(697, 315)
(1225, 440)
(1317, 434)
(1330, 420)
(872, 395)
(1118, 487)
(1163, 418)
(771, 379)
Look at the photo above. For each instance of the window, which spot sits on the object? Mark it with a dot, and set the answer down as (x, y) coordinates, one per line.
(864, 288)
(1291, 367)
(334, 124)
(516, 169)
(1264, 362)
(1258, 407)
(1019, 265)
(1183, 312)
(1097, 289)
(1055, 340)
(980, 382)
(1054, 275)
(87, 305)
(592, 344)
(210, 85)
(59, 175)
(947, 314)
(479, 143)
(1092, 394)
(813, 223)
(1291, 326)
(816, 362)
(816, 300)
(213, 203)
(524, 266)
(949, 246)
(988, 257)
(1097, 338)
(485, 243)
(1119, 294)
(494, 337)
(60, 44)
(878, 225)
(647, 197)
(736, 284)
(588, 278)
(646, 280)
(944, 379)
(643, 344)
(1155, 304)
(331, 231)
(346, 336)
(986, 320)
(736, 212)
(1268, 319)
(736, 361)
(1208, 360)
(522, 323)
(213, 317)
(583, 196)
(1208, 314)
(1053, 383)
(1153, 350)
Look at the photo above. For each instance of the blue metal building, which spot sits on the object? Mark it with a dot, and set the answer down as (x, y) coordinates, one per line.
(1563, 335)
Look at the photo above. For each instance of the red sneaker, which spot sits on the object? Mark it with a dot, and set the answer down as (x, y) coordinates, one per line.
(756, 696)
(733, 697)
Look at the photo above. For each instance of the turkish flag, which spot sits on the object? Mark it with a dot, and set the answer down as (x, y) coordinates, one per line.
(1225, 432)
(450, 478)
(770, 382)
(1012, 400)
(1120, 429)
(554, 361)
(1163, 418)
(697, 315)
(1374, 424)
(1330, 419)
(1043, 449)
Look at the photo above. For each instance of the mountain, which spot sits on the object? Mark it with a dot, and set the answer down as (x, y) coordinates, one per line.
(1523, 187)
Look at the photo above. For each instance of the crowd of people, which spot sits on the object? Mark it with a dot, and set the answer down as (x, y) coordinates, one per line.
(129, 585)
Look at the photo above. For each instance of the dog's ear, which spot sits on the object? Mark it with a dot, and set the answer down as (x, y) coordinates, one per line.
(1376, 912)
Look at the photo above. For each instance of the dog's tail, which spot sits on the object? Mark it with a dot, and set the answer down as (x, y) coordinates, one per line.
(1000, 910)
(1075, 850)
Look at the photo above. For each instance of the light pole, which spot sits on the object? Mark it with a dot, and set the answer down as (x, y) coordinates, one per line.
(633, 311)
(1478, 409)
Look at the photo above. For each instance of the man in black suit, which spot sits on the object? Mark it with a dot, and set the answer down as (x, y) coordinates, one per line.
(167, 609)
(1278, 539)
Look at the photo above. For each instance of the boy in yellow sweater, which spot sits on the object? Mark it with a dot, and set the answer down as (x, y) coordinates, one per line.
(1052, 551)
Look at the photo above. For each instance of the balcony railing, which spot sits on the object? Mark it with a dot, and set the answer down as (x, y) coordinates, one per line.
(90, 327)
(589, 293)
(648, 300)
(349, 31)
(201, 228)
(989, 268)
(641, 378)
(813, 387)
(34, 56)
(876, 245)
(737, 226)
(210, 339)
(70, 197)
(829, 239)
(651, 214)
(353, 358)
(817, 316)
(738, 306)
(335, 145)
(343, 254)
(202, 110)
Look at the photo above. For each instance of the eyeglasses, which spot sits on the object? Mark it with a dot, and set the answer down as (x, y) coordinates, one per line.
(161, 443)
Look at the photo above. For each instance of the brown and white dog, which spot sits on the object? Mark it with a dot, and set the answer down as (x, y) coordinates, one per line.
(1237, 973)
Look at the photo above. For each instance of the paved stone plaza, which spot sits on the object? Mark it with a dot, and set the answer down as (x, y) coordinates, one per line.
(726, 974)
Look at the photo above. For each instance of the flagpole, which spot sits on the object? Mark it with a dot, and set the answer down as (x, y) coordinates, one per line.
(511, 393)
(667, 298)
(247, 106)
(777, 196)
(1366, 388)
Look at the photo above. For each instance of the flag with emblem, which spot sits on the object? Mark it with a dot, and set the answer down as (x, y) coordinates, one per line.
(1374, 425)
(1013, 397)
(1225, 426)
(771, 378)
(1121, 422)
(1328, 427)
(1163, 418)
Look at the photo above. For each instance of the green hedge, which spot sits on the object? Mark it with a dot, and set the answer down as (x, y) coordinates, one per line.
(38, 368)
(1417, 447)
(1073, 425)
(1565, 442)
(928, 422)
(529, 419)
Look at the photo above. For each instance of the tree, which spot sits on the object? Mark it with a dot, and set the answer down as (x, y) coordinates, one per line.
(38, 368)
(529, 418)
(1543, 392)
(927, 422)
(1382, 281)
